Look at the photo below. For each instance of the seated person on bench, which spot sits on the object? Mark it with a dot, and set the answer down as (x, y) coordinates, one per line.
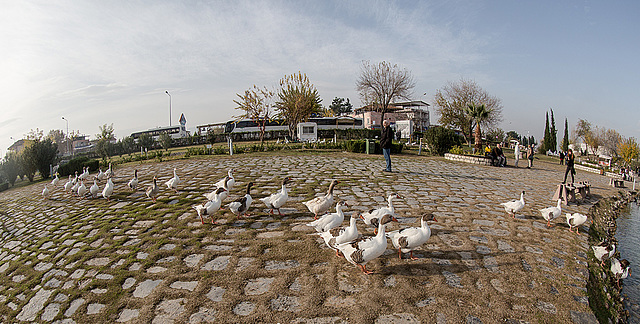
(498, 156)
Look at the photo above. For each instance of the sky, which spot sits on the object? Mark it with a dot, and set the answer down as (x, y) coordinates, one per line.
(110, 62)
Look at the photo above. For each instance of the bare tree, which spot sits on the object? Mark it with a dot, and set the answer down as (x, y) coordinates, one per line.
(297, 100)
(452, 101)
(610, 141)
(256, 104)
(381, 84)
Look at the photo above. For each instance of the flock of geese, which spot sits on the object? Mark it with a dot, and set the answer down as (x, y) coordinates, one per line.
(345, 241)
(604, 251)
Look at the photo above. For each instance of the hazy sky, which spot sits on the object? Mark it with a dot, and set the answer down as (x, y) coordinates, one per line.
(103, 62)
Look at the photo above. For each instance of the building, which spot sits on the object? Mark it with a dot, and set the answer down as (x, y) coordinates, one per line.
(417, 112)
(19, 145)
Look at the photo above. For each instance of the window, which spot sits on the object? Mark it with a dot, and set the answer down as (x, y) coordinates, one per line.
(308, 129)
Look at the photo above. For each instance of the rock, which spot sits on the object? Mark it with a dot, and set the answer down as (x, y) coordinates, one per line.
(145, 288)
(285, 303)
(186, 285)
(340, 302)
(98, 262)
(193, 260)
(546, 307)
(94, 308)
(216, 293)
(73, 307)
(50, 312)
(169, 310)
(204, 315)
(258, 286)
(244, 308)
(452, 279)
(35, 305)
(472, 320)
(128, 283)
(217, 264)
(127, 315)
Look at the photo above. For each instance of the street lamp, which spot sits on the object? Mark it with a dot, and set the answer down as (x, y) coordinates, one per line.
(167, 92)
(68, 150)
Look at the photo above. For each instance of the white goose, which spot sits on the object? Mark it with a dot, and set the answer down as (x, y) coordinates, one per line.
(109, 172)
(133, 183)
(620, 269)
(152, 191)
(94, 189)
(68, 185)
(329, 221)
(241, 205)
(45, 192)
(575, 220)
(82, 189)
(173, 182)
(210, 207)
(363, 250)
(322, 204)
(372, 217)
(514, 206)
(230, 182)
(408, 239)
(603, 251)
(101, 175)
(339, 235)
(551, 213)
(55, 181)
(278, 199)
(222, 195)
(108, 189)
(85, 173)
(76, 184)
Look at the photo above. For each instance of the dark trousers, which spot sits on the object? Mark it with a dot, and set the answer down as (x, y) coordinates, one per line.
(387, 156)
(571, 170)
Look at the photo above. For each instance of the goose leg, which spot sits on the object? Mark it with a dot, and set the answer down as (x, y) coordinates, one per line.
(400, 254)
(364, 269)
(212, 222)
(412, 257)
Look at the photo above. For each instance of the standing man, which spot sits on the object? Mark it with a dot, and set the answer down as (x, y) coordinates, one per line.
(530, 153)
(385, 143)
(516, 152)
(570, 158)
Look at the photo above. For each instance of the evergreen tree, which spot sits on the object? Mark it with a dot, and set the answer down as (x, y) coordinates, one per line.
(546, 140)
(565, 139)
(553, 143)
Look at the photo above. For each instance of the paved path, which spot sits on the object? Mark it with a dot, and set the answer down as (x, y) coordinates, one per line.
(68, 260)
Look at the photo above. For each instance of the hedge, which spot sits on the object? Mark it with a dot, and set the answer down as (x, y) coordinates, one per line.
(77, 164)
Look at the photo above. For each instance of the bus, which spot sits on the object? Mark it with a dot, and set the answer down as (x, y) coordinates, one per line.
(173, 131)
(324, 123)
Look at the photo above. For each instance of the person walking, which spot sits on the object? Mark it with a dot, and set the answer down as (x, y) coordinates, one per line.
(569, 159)
(516, 152)
(385, 143)
(530, 153)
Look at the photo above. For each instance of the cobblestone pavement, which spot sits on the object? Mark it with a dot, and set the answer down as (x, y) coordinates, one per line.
(129, 260)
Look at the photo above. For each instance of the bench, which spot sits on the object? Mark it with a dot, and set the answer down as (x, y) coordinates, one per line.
(616, 183)
(567, 193)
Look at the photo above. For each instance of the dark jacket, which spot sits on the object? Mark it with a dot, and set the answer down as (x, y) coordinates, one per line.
(387, 137)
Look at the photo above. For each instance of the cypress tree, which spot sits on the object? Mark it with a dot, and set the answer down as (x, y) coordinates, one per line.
(553, 140)
(546, 140)
(565, 139)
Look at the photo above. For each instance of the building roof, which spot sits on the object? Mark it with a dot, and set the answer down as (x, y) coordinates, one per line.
(396, 106)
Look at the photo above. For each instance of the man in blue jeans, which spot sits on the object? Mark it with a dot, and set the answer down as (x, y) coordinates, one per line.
(385, 143)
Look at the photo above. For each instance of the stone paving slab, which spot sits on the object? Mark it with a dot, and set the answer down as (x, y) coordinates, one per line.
(67, 260)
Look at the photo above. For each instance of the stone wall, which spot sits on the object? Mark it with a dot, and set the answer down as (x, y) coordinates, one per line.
(468, 159)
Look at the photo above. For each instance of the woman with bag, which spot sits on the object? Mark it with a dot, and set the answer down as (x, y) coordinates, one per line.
(569, 159)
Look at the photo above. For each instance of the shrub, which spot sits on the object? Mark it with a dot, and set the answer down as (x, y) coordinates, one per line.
(77, 164)
(457, 149)
(440, 140)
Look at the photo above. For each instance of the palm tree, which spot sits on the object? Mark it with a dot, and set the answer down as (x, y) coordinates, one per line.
(478, 114)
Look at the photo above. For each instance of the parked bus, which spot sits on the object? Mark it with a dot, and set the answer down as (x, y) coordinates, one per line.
(324, 123)
(173, 131)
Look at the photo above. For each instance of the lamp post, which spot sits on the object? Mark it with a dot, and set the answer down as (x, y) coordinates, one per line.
(167, 92)
(68, 150)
